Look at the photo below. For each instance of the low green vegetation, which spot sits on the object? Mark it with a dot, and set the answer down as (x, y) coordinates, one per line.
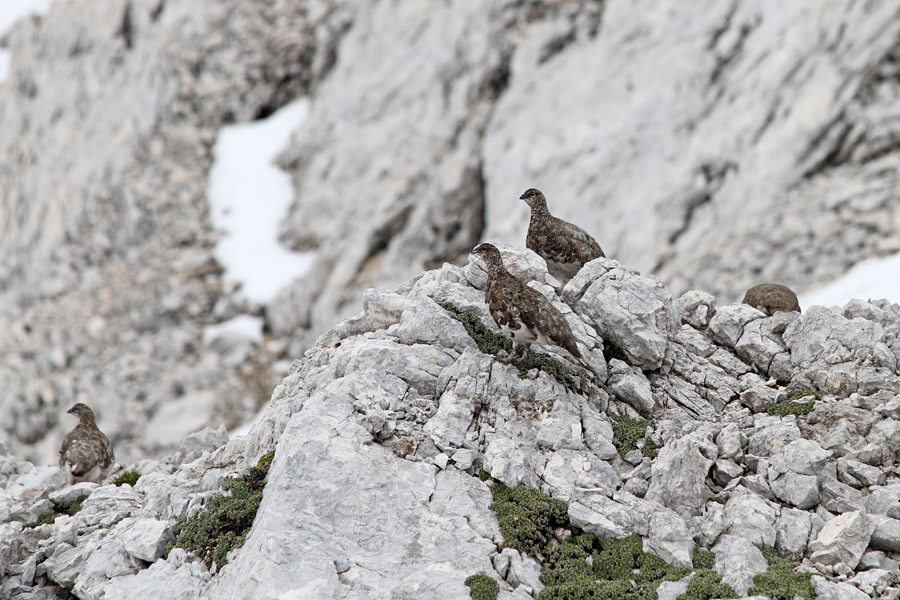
(129, 477)
(482, 587)
(782, 581)
(611, 350)
(627, 432)
(223, 523)
(496, 344)
(527, 517)
(69, 507)
(791, 406)
(583, 567)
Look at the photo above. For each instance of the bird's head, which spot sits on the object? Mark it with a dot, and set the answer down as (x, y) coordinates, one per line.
(534, 198)
(83, 412)
(489, 254)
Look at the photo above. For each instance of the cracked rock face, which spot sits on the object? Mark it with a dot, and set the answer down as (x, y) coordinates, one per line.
(380, 433)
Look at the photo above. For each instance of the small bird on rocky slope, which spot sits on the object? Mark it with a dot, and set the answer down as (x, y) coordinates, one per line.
(522, 313)
(565, 247)
(86, 454)
(771, 298)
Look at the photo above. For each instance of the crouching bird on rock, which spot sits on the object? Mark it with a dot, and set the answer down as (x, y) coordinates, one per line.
(771, 298)
(565, 247)
(522, 313)
(86, 454)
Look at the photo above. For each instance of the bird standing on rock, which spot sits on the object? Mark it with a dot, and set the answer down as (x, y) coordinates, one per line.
(771, 298)
(522, 313)
(86, 454)
(565, 247)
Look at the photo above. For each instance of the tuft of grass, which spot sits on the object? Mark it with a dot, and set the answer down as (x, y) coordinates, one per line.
(781, 580)
(495, 344)
(703, 559)
(790, 406)
(43, 519)
(611, 350)
(482, 587)
(129, 477)
(527, 517)
(627, 432)
(59, 508)
(706, 584)
(223, 524)
(71, 507)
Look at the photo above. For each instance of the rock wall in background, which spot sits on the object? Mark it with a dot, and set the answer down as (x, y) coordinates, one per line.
(715, 144)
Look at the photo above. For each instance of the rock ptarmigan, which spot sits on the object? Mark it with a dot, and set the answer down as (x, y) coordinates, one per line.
(565, 247)
(771, 298)
(522, 313)
(86, 454)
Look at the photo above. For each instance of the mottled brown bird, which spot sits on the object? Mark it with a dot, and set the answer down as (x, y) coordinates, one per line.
(565, 247)
(522, 313)
(771, 298)
(86, 454)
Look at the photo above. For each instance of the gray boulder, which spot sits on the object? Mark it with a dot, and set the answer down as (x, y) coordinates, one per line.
(843, 539)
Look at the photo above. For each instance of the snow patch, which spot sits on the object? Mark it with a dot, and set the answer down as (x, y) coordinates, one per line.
(871, 279)
(245, 325)
(248, 196)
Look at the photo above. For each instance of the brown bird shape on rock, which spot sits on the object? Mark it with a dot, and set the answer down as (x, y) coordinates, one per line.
(522, 313)
(86, 454)
(771, 298)
(565, 247)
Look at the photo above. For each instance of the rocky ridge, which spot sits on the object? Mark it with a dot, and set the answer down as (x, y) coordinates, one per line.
(713, 143)
(768, 433)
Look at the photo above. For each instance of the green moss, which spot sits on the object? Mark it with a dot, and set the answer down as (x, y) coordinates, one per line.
(43, 519)
(223, 524)
(789, 406)
(706, 584)
(803, 393)
(627, 432)
(129, 477)
(487, 341)
(527, 517)
(611, 350)
(482, 587)
(781, 580)
(70, 507)
(585, 568)
(496, 344)
(703, 559)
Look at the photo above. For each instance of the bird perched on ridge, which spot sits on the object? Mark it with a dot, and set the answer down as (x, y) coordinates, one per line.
(565, 247)
(86, 454)
(522, 313)
(771, 298)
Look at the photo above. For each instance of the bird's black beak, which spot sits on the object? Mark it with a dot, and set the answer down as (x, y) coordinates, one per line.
(71, 411)
(522, 197)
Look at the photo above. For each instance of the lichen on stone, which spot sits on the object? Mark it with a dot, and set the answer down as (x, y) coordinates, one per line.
(223, 524)
(482, 587)
(781, 580)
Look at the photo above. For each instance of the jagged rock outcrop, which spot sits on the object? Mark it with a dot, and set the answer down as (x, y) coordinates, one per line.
(381, 430)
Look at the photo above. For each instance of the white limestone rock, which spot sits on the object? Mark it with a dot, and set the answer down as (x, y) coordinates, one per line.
(738, 561)
(843, 539)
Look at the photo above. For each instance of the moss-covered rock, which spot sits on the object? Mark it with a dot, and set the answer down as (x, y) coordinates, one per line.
(782, 581)
(527, 517)
(223, 524)
(627, 432)
(482, 587)
(706, 584)
(129, 477)
(68, 507)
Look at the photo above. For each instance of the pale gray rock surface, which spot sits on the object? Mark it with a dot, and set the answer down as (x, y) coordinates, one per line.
(381, 430)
